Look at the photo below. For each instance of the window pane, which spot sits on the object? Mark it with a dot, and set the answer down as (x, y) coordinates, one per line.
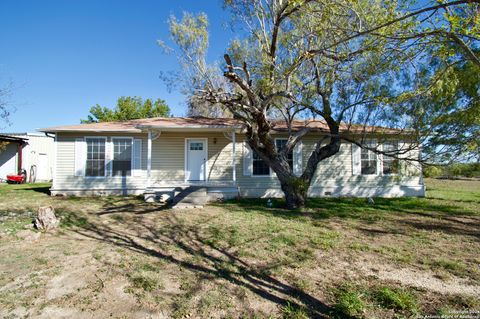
(260, 168)
(280, 143)
(369, 167)
(122, 157)
(369, 161)
(259, 165)
(390, 164)
(196, 146)
(95, 165)
(390, 167)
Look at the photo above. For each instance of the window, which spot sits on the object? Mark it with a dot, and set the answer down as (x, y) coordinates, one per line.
(122, 157)
(95, 157)
(196, 146)
(260, 167)
(390, 164)
(368, 160)
(280, 143)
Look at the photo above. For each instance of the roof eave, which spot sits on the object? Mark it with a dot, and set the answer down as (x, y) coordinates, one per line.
(54, 130)
(197, 128)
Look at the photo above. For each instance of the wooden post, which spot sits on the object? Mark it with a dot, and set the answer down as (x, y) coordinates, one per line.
(20, 157)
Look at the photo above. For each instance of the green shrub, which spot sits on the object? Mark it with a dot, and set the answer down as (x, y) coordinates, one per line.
(432, 171)
(453, 170)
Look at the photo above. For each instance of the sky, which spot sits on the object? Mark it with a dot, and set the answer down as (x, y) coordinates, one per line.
(65, 56)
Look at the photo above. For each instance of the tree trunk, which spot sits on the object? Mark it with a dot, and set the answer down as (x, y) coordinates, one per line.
(295, 190)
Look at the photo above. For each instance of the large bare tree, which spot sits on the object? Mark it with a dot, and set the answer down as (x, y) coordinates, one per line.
(352, 64)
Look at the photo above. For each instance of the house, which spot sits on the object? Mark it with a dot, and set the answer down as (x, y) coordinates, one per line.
(161, 156)
(30, 151)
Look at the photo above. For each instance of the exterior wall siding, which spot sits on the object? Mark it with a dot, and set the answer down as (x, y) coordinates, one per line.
(168, 157)
(333, 176)
(65, 181)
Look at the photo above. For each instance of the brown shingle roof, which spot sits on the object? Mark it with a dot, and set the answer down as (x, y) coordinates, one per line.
(188, 123)
(135, 126)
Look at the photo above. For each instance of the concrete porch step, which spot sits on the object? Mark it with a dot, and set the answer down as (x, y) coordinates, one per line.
(192, 195)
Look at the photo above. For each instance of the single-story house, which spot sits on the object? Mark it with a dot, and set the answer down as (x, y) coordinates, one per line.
(161, 155)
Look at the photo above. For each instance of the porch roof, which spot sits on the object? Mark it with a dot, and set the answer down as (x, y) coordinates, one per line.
(8, 138)
(203, 124)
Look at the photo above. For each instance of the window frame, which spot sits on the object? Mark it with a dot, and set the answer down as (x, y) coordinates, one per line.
(105, 139)
(263, 175)
(112, 154)
(370, 143)
(292, 151)
(390, 158)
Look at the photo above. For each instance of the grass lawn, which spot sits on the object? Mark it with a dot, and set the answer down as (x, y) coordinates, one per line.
(120, 257)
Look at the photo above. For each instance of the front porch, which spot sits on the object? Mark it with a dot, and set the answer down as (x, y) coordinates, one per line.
(198, 162)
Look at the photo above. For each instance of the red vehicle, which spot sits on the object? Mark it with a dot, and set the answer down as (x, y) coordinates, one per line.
(17, 179)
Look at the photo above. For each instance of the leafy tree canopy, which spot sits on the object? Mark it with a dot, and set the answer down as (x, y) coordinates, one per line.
(128, 108)
(357, 65)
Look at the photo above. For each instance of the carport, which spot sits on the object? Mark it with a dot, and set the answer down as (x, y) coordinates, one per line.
(11, 155)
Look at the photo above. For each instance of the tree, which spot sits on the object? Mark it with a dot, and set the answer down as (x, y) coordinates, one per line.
(453, 105)
(128, 108)
(5, 108)
(348, 63)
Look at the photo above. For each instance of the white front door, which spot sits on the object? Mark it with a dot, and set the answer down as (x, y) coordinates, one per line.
(196, 159)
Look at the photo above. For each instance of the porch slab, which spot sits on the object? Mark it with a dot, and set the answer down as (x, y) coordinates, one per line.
(196, 195)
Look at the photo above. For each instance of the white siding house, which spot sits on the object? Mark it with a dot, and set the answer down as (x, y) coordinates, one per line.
(151, 155)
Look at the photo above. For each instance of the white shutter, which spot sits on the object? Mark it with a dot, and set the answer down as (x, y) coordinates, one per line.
(380, 158)
(108, 157)
(137, 157)
(247, 160)
(80, 156)
(375, 145)
(298, 159)
(403, 169)
(356, 165)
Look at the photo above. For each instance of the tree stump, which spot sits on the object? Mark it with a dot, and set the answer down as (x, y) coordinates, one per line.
(46, 219)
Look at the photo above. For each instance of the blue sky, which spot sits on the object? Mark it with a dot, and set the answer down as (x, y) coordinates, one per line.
(65, 56)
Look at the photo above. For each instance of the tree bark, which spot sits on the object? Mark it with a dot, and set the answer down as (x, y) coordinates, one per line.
(295, 190)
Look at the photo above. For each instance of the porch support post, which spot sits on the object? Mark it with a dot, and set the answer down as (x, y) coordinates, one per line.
(149, 158)
(234, 173)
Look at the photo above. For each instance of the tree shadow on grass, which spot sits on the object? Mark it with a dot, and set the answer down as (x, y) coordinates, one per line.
(189, 247)
(139, 207)
(419, 213)
(353, 208)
